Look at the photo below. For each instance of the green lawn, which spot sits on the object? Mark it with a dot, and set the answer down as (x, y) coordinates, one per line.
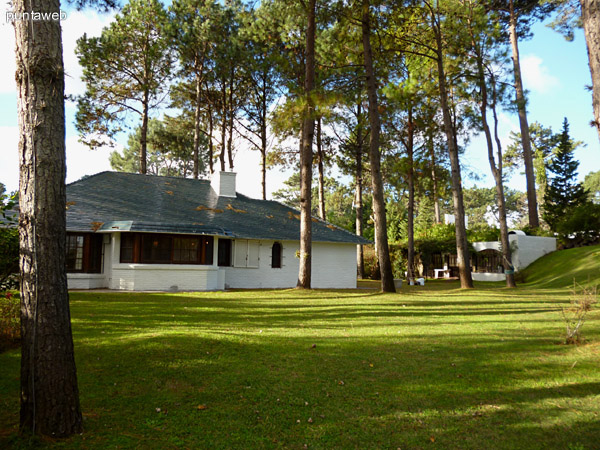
(430, 367)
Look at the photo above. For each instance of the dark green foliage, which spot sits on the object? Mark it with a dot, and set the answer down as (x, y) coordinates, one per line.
(10, 320)
(126, 71)
(564, 194)
(169, 148)
(9, 241)
(591, 183)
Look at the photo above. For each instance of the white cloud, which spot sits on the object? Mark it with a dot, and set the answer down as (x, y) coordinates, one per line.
(536, 76)
(7, 55)
(76, 24)
(83, 161)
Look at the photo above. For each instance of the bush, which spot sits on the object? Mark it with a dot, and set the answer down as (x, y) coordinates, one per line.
(10, 320)
(9, 258)
(583, 298)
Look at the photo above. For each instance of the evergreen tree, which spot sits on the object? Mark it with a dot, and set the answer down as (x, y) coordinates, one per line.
(564, 194)
(126, 71)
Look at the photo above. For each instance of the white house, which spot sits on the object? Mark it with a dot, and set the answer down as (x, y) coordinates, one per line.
(524, 250)
(141, 232)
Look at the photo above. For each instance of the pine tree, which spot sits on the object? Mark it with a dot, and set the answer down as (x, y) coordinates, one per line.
(564, 194)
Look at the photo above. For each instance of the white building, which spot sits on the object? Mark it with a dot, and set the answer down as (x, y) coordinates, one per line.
(141, 232)
(524, 250)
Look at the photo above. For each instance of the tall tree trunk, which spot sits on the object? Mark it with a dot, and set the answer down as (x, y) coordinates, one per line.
(462, 248)
(411, 197)
(496, 170)
(381, 241)
(321, 169)
(144, 134)
(360, 258)
(263, 142)
(49, 392)
(197, 108)
(506, 251)
(308, 126)
(534, 221)
(590, 16)
(436, 198)
(230, 126)
(211, 149)
(223, 127)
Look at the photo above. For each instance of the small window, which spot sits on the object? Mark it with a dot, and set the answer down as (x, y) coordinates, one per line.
(276, 252)
(127, 247)
(75, 252)
(84, 253)
(224, 257)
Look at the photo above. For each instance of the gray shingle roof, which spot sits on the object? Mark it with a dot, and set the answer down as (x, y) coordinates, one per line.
(133, 202)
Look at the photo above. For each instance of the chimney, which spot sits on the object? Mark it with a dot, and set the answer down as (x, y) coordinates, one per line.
(224, 184)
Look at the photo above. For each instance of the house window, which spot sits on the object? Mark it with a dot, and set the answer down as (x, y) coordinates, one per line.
(75, 252)
(128, 244)
(224, 253)
(84, 253)
(246, 253)
(154, 248)
(276, 252)
(185, 250)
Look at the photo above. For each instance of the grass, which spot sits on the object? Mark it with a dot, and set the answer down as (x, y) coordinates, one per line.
(431, 367)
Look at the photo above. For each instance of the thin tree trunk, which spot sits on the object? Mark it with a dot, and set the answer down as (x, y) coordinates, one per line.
(434, 179)
(462, 248)
(506, 251)
(197, 109)
(223, 128)
(263, 142)
(320, 158)
(360, 258)
(496, 170)
(383, 252)
(231, 114)
(211, 150)
(144, 134)
(590, 16)
(308, 125)
(49, 392)
(411, 197)
(534, 221)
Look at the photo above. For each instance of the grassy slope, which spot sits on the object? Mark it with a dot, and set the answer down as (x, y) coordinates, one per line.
(559, 269)
(433, 367)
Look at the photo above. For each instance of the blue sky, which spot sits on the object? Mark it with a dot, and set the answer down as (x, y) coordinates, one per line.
(555, 74)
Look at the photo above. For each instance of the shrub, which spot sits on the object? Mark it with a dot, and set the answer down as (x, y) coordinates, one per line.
(10, 321)
(583, 299)
(9, 258)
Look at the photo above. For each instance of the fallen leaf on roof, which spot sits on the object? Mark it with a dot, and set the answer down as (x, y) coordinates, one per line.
(270, 216)
(169, 192)
(70, 204)
(291, 215)
(206, 208)
(232, 208)
(197, 223)
(332, 227)
(314, 219)
(96, 225)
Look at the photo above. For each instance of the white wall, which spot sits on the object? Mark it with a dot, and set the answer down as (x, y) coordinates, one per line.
(525, 250)
(333, 266)
(530, 248)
